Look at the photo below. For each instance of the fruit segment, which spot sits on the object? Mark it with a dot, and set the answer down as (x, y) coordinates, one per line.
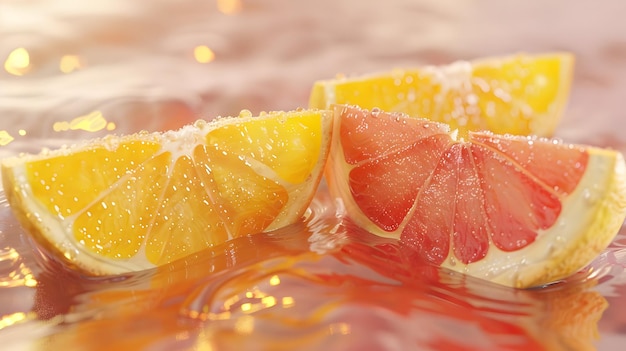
(519, 94)
(83, 174)
(495, 206)
(127, 203)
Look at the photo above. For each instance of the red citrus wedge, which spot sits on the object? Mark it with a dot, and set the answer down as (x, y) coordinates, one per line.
(518, 211)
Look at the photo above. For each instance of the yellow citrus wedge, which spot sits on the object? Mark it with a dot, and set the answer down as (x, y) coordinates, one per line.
(522, 94)
(128, 203)
(519, 211)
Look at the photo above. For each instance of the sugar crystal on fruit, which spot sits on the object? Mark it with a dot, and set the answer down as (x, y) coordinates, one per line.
(200, 124)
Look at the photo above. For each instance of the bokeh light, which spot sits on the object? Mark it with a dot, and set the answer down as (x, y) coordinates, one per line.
(229, 7)
(18, 62)
(91, 122)
(203, 54)
(70, 63)
(5, 138)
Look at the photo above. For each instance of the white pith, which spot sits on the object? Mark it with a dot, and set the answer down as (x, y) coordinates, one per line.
(579, 210)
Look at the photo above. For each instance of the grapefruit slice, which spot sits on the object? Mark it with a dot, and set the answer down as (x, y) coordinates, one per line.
(128, 203)
(519, 211)
(519, 94)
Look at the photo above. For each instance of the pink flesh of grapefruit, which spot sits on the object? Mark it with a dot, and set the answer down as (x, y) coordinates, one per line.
(504, 208)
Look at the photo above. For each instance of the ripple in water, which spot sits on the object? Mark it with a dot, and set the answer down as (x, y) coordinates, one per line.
(321, 283)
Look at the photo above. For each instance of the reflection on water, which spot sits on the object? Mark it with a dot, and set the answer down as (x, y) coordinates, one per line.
(92, 122)
(71, 71)
(271, 291)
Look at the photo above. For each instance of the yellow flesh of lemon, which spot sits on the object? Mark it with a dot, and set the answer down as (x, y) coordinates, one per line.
(128, 203)
(522, 94)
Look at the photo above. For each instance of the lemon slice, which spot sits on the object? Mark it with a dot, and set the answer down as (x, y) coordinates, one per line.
(520, 94)
(128, 203)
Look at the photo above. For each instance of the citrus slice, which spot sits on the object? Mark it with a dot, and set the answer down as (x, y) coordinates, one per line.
(522, 94)
(519, 211)
(133, 202)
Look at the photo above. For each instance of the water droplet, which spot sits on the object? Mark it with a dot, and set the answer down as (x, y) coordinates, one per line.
(200, 123)
(588, 196)
(245, 113)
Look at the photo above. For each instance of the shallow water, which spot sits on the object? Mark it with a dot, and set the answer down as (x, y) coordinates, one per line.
(321, 283)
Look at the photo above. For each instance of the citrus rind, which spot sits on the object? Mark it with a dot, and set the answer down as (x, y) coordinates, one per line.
(55, 233)
(591, 217)
(524, 86)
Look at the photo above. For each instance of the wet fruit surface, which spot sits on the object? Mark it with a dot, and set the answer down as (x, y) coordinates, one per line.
(126, 203)
(480, 204)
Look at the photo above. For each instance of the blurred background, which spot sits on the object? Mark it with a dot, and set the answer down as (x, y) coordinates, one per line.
(75, 68)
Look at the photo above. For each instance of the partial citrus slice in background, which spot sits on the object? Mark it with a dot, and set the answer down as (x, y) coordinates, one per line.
(129, 203)
(522, 94)
(519, 211)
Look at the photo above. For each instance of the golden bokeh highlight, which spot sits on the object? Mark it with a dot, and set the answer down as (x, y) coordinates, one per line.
(19, 276)
(268, 301)
(288, 301)
(18, 62)
(14, 318)
(274, 280)
(203, 54)
(70, 63)
(244, 325)
(339, 329)
(246, 307)
(204, 341)
(5, 138)
(91, 122)
(229, 7)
